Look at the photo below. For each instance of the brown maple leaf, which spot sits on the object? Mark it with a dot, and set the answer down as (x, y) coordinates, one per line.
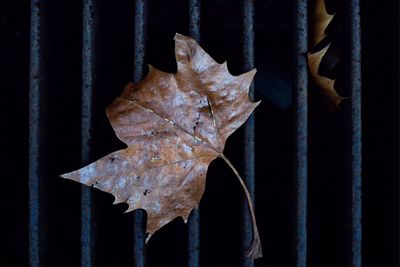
(174, 125)
(320, 20)
(314, 61)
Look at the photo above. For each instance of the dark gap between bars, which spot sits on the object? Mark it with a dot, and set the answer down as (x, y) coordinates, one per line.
(355, 94)
(249, 128)
(194, 219)
(301, 111)
(35, 84)
(88, 76)
(139, 53)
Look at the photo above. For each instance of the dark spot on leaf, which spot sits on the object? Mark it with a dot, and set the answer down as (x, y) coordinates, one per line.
(151, 133)
(145, 192)
(197, 121)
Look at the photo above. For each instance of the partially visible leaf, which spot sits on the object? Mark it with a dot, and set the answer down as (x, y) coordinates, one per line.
(174, 125)
(325, 83)
(320, 20)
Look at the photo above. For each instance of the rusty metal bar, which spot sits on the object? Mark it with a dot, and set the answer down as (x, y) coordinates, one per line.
(355, 93)
(301, 114)
(194, 219)
(35, 87)
(249, 128)
(88, 76)
(139, 53)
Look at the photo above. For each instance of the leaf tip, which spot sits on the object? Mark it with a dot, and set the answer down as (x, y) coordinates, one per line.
(151, 67)
(68, 175)
(178, 36)
(130, 208)
(117, 201)
(185, 218)
(148, 236)
(249, 76)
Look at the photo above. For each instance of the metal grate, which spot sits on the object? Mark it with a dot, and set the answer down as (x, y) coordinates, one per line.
(194, 219)
(301, 114)
(88, 76)
(35, 75)
(301, 103)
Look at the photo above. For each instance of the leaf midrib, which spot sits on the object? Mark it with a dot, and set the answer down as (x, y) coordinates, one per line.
(174, 124)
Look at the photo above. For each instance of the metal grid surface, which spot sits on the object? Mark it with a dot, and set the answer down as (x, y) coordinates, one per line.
(89, 27)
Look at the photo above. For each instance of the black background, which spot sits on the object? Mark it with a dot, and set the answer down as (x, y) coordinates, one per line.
(329, 195)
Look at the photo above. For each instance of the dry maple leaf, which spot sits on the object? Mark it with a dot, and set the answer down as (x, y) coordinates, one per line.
(174, 125)
(320, 20)
(314, 60)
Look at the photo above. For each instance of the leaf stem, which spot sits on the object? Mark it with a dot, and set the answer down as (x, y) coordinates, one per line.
(255, 250)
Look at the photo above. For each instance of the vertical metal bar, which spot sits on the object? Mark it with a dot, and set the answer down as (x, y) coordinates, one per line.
(194, 19)
(355, 92)
(88, 74)
(194, 219)
(249, 129)
(35, 86)
(139, 52)
(301, 110)
(139, 39)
